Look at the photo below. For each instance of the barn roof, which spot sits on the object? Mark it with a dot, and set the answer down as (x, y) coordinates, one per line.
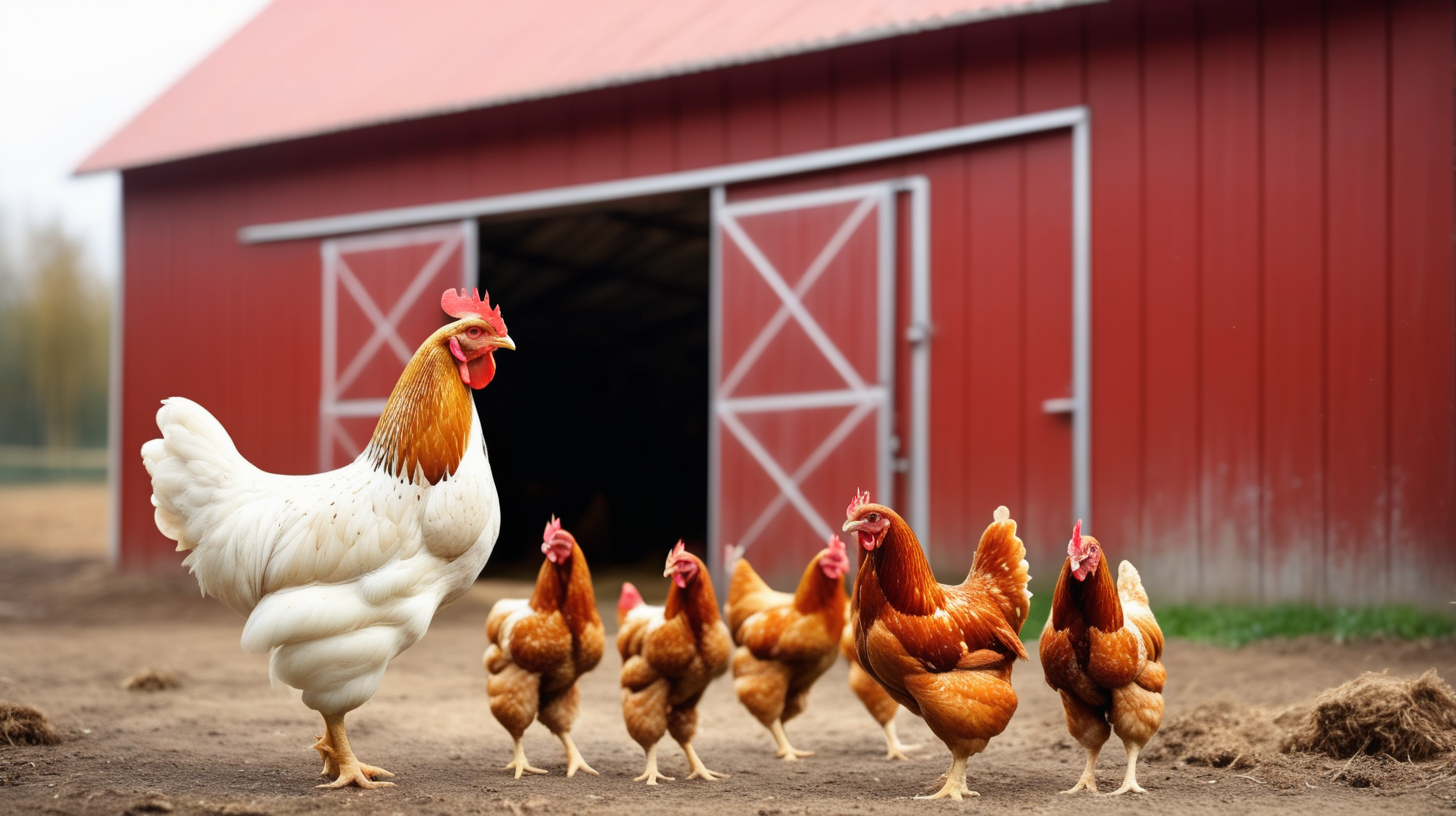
(308, 67)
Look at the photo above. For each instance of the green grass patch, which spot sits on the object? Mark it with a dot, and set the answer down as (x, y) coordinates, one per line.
(1237, 625)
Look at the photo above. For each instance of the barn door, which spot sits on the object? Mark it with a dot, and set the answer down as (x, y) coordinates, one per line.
(381, 299)
(803, 338)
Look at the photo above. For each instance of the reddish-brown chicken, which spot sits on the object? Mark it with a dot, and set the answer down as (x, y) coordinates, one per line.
(786, 642)
(876, 700)
(943, 652)
(539, 647)
(1102, 651)
(669, 656)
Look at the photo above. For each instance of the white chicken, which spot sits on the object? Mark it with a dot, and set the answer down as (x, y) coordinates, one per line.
(339, 572)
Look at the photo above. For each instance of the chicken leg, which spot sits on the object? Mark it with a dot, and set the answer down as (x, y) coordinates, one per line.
(520, 765)
(895, 749)
(955, 781)
(1130, 782)
(574, 761)
(339, 758)
(700, 771)
(786, 751)
(651, 775)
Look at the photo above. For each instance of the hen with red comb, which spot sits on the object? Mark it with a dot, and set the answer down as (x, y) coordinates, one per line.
(786, 641)
(340, 572)
(539, 647)
(669, 656)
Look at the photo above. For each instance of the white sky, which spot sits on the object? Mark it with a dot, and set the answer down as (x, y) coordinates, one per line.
(72, 72)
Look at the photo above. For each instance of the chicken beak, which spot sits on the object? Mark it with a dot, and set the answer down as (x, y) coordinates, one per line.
(852, 525)
(505, 342)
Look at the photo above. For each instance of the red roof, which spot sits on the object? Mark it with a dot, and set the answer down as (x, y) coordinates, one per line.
(306, 67)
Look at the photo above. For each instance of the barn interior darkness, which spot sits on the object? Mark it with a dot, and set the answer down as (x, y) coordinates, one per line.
(601, 417)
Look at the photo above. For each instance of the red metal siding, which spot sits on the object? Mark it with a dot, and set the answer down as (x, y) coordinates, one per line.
(1274, 304)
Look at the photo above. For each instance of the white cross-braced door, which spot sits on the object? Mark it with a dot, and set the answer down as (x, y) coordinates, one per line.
(381, 299)
(803, 383)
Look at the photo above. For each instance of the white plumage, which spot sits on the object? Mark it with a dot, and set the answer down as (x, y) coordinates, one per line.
(337, 572)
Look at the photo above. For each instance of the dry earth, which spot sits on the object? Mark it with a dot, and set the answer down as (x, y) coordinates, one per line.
(224, 742)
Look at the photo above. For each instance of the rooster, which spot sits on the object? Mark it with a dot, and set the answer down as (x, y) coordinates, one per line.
(669, 656)
(340, 572)
(786, 642)
(1102, 651)
(539, 647)
(943, 652)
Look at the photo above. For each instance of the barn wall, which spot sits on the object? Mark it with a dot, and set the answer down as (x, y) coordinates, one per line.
(1274, 304)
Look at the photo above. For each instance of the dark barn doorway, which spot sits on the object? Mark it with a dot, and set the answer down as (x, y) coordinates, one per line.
(601, 417)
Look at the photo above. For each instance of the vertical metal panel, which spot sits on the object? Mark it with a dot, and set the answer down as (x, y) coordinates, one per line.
(1423, 302)
(1229, 298)
(1357, 353)
(1293, 290)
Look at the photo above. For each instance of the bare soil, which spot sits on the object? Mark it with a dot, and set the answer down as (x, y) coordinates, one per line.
(224, 742)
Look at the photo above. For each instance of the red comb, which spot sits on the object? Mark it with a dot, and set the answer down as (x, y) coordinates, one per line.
(676, 551)
(835, 545)
(630, 598)
(458, 304)
(552, 528)
(859, 499)
(1075, 544)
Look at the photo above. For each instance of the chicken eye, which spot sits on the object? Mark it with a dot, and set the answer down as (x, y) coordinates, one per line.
(874, 517)
(473, 332)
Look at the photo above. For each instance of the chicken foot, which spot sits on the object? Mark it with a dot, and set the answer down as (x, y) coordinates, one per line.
(955, 782)
(338, 756)
(574, 762)
(520, 765)
(651, 774)
(700, 771)
(786, 752)
(1089, 775)
(895, 749)
(1130, 782)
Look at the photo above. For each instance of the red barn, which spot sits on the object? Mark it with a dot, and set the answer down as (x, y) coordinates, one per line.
(1183, 268)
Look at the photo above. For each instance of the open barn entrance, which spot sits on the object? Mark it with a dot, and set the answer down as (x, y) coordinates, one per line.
(601, 417)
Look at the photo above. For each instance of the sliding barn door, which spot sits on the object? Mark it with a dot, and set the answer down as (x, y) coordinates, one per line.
(381, 299)
(803, 341)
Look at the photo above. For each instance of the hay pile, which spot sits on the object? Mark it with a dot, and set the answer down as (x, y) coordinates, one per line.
(23, 725)
(150, 679)
(1376, 714)
(1375, 731)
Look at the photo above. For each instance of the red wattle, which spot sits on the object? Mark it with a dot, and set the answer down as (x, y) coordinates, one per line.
(478, 372)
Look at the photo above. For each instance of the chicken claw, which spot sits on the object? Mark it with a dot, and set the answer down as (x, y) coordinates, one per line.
(520, 764)
(651, 775)
(786, 752)
(325, 747)
(1089, 776)
(339, 758)
(574, 761)
(356, 773)
(1130, 783)
(700, 771)
(895, 748)
(955, 782)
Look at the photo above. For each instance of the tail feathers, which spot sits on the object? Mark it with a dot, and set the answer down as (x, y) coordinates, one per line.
(1130, 584)
(1000, 564)
(194, 456)
(745, 581)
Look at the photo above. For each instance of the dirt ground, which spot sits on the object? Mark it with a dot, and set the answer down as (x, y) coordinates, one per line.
(225, 743)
